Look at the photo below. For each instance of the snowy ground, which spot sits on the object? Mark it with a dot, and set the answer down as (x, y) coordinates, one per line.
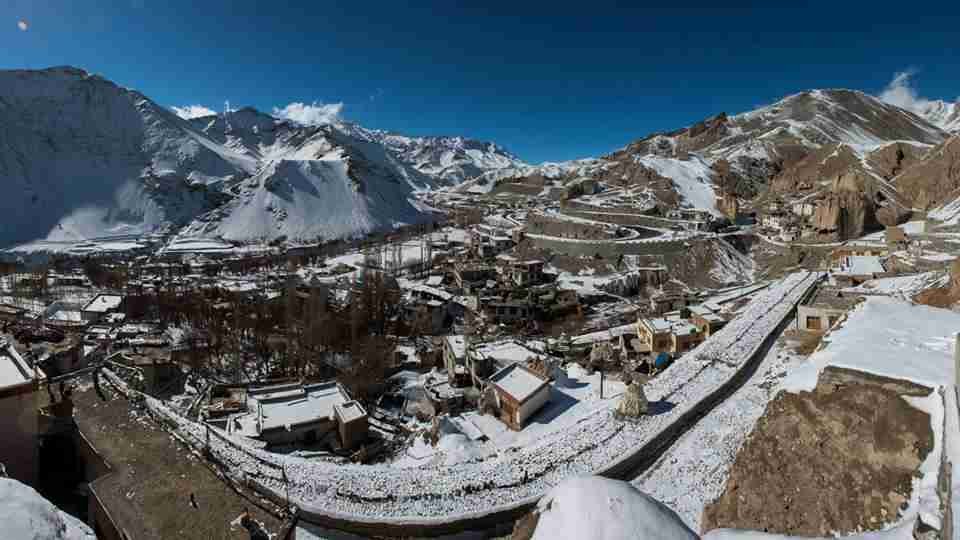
(25, 514)
(902, 286)
(439, 494)
(893, 338)
(888, 337)
(693, 472)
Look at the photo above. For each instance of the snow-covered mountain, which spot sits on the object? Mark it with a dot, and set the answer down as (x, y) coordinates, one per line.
(740, 154)
(81, 157)
(794, 125)
(451, 159)
(942, 114)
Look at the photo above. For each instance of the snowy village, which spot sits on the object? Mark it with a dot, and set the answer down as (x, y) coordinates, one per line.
(316, 321)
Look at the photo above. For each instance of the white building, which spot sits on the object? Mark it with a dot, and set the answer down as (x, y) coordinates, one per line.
(520, 394)
(290, 413)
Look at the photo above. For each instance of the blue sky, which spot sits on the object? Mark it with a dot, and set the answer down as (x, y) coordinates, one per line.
(549, 81)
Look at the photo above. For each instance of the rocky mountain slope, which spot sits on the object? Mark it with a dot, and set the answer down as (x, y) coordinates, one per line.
(935, 180)
(802, 143)
(81, 157)
(944, 115)
(450, 159)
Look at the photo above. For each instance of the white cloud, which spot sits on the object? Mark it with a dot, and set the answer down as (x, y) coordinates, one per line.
(314, 114)
(22, 25)
(900, 92)
(192, 111)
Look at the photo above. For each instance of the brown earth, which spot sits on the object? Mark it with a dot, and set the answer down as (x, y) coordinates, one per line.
(148, 491)
(936, 179)
(836, 460)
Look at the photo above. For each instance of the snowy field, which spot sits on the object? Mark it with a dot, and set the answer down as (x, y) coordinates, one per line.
(888, 337)
(893, 338)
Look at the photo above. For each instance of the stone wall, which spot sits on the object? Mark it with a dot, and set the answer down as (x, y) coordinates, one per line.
(612, 250)
(538, 224)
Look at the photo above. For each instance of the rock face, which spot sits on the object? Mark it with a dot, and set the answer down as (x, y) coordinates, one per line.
(936, 179)
(848, 209)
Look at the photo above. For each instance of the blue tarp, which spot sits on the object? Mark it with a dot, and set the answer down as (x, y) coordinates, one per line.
(662, 360)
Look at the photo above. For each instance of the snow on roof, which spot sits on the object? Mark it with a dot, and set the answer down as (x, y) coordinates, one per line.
(511, 351)
(604, 509)
(430, 291)
(458, 345)
(103, 303)
(700, 310)
(603, 335)
(658, 325)
(888, 337)
(518, 381)
(289, 405)
(683, 328)
(860, 265)
(349, 411)
(26, 514)
(14, 370)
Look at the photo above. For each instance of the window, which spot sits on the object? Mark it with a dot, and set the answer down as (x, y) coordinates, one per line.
(832, 320)
(813, 323)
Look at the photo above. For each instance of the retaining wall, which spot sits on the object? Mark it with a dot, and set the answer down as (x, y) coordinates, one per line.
(627, 465)
(612, 249)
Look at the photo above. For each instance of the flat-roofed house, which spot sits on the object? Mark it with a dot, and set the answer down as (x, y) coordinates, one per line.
(684, 337)
(352, 423)
(19, 421)
(856, 269)
(706, 321)
(455, 357)
(524, 273)
(824, 309)
(100, 306)
(654, 335)
(520, 393)
(858, 249)
(292, 413)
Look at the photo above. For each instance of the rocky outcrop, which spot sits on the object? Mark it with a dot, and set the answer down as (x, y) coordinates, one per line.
(934, 180)
(894, 158)
(848, 209)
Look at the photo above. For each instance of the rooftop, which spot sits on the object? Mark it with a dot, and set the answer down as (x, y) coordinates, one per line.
(657, 325)
(827, 297)
(349, 411)
(860, 265)
(518, 381)
(458, 345)
(14, 370)
(103, 303)
(280, 406)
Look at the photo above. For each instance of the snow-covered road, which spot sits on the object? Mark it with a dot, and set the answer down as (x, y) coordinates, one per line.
(694, 470)
(356, 496)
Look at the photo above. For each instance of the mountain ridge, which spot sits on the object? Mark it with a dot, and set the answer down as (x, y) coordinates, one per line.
(101, 159)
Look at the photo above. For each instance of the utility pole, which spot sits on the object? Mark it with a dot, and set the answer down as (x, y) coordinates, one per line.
(236, 333)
